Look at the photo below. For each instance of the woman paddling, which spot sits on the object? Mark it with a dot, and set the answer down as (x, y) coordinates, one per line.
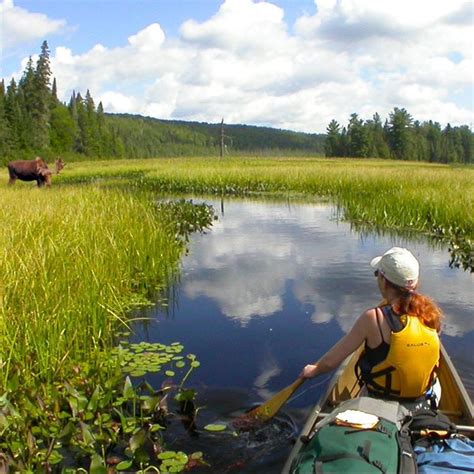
(400, 337)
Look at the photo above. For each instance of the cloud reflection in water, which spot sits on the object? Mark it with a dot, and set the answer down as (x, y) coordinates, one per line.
(257, 251)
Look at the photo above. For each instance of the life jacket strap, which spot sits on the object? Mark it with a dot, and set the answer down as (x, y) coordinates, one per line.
(382, 390)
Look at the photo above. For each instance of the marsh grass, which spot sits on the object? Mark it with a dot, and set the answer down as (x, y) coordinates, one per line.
(433, 200)
(423, 197)
(72, 261)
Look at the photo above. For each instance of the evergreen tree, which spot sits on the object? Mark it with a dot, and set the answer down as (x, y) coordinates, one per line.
(433, 138)
(14, 115)
(5, 132)
(399, 134)
(117, 144)
(420, 143)
(467, 144)
(358, 138)
(451, 145)
(91, 127)
(42, 98)
(378, 146)
(54, 95)
(26, 102)
(344, 142)
(73, 106)
(63, 129)
(79, 110)
(104, 133)
(332, 145)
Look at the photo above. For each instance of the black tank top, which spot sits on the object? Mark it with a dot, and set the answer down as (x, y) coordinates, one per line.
(374, 356)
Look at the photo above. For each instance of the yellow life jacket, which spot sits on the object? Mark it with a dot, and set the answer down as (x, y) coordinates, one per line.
(408, 369)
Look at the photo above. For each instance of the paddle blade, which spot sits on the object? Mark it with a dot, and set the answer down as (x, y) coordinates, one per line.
(271, 407)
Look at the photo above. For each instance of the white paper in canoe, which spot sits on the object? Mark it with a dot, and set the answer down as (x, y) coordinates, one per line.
(357, 419)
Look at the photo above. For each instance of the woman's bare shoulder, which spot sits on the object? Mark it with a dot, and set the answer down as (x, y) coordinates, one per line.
(369, 315)
(368, 321)
(365, 322)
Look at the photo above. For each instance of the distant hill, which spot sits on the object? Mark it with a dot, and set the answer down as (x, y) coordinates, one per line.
(33, 121)
(149, 137)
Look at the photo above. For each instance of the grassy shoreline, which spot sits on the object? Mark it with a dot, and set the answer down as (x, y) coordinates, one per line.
(72, 262)
(428, 198)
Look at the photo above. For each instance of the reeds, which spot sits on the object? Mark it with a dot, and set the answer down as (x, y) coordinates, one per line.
(422, 197)
(72, 261)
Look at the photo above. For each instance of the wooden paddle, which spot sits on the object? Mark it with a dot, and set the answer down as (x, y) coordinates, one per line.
(270, 408)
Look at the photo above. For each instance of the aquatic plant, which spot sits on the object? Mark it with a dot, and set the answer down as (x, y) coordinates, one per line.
(110, 423)
(73, 262)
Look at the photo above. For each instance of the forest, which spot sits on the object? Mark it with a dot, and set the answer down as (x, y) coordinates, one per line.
(400, 137)
(34, 121)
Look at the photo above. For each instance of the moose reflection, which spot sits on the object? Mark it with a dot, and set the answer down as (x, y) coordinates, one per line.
(33, 170)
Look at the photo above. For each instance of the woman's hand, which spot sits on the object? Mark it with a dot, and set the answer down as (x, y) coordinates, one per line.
(309, 371)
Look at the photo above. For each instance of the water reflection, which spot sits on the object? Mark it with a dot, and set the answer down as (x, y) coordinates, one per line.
(273, 285)
(257, 249)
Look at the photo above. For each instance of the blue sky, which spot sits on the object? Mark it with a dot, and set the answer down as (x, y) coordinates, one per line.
(293, 64)
(120, 18)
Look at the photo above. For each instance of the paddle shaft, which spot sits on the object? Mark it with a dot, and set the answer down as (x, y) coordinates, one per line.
(462, 428)
(270, 408)
(297, 383)
(465, 428)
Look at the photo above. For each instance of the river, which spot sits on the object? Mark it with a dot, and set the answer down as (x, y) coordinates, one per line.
(270, 288)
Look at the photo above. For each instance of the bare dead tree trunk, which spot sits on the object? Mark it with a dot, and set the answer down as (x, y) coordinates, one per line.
(222, 138)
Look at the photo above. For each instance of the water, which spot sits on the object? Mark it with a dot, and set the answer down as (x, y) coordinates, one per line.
(272, 287)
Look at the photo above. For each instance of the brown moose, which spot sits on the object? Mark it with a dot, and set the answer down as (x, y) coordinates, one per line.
(33, 170)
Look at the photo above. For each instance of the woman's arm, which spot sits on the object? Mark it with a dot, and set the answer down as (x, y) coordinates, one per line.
(345, 346)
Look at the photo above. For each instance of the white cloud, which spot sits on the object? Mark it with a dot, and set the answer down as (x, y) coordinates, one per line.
(120, 103)
(359, 20)
(243, 64)
(20, 26)
(241, 26)
(148, 40)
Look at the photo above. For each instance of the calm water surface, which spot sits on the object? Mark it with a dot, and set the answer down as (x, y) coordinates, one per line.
(272, 287)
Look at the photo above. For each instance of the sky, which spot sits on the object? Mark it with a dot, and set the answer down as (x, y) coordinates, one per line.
(289, 64)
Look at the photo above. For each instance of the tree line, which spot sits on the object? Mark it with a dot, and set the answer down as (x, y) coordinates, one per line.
(400, 137)
(34, 121)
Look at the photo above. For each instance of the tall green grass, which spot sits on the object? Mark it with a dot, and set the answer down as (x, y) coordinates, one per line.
(421, 197)
(72, 261)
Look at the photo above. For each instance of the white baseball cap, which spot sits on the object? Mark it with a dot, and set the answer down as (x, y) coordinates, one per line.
(399, 266)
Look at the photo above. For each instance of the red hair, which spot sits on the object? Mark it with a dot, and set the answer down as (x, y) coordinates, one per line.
(421, 306)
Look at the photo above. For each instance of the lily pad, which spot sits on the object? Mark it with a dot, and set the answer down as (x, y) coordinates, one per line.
(137, 373)
(215, 427)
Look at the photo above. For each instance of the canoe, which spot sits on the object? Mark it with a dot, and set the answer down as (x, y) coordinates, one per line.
(455, 401)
